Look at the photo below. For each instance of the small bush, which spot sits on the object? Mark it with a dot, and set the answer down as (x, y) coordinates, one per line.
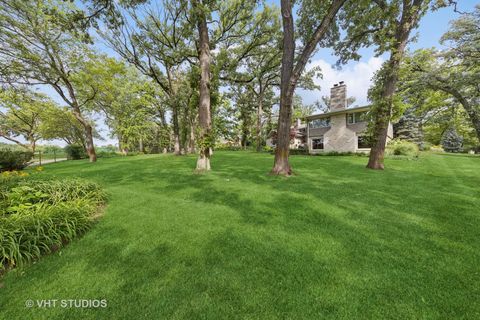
(296, 152)
(38, 217)
(107, 154)
(11, 159)
(75, 152)
(452, 141)
(402, 148)
(227, 147)
(426, 146)
(268, 149)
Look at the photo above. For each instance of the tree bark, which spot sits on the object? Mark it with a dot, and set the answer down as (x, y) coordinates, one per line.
(174, 105)
(176, 132)
(33, 145)
(90, 148)
(204, 116)
(140, 145)
(290, 76)
(385, 106)
(474, 115)
(191, 140)
(88, 131)
(281, 165)
(259, 118)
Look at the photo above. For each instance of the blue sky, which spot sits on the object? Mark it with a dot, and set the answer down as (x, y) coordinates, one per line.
(356, 74)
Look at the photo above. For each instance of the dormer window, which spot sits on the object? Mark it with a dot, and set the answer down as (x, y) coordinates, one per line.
(319, 123)
(356, 117)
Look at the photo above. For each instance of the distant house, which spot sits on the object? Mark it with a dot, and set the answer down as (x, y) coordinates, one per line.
(298, 136)
(341, 129)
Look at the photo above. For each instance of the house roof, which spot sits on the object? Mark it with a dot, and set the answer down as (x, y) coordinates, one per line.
(332, 113)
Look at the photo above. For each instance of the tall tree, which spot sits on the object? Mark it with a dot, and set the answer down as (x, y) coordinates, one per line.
(39, 49)
(454, 70)
(204, 113)
(60, 123)
(157, 43)
(230, 25)
(388, 25)
(25, 110)
(317, 25)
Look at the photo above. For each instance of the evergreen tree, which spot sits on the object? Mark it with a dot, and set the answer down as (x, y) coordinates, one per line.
(452, 141)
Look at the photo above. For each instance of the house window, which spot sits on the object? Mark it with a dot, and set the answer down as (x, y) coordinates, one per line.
(356, 117)
(319, 123)
(363, 142)
(317, 143)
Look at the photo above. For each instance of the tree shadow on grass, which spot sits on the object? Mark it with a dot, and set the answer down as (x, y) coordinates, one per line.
(335, 241)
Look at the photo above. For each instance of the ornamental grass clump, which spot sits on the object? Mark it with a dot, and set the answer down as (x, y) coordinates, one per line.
(38, 217)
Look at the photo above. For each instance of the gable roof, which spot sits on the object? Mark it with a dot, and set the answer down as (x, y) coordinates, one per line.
(332, 113)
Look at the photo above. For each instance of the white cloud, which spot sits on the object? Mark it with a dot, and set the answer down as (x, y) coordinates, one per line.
(357, 76)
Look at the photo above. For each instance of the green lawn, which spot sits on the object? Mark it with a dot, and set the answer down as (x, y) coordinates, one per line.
(336, 241)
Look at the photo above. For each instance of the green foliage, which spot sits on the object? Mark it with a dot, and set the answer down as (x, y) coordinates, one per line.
(14, 159)
(75, 152)
(452, 141)
(268, 149)
(107, 154)
(399, 147)
(294, 152)
(227, 147)
(206, 141)
(37, 217)
(26, 110)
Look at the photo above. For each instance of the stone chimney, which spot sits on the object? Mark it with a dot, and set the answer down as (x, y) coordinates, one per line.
(338, 97)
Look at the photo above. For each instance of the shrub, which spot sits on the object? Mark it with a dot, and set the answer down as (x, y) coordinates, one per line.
(426, 146)
(107, 154)
(75, 152)
(294, 152)
(37, 217)
(452, 141)
(268, 149)
(402, 148)
(227, 147)
(11, 159)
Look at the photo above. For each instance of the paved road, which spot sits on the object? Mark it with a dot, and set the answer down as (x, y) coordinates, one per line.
(46, 161)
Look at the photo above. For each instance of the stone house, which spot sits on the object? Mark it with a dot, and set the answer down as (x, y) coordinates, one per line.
(341, 129)
(298, 136)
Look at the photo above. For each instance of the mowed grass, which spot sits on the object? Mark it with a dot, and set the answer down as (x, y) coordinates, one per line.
(335, 241)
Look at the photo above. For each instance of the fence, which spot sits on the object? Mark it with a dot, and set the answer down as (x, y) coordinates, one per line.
(40, 157)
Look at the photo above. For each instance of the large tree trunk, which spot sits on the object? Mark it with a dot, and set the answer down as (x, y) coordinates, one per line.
(259, 119)
(385, 106)
(290, 76)
(204, 116)
(173, 99)
(191, 140)
(473, 115)
(287, 87)
(90, 148)
(88, 131)
(140, 145)
(176, 129)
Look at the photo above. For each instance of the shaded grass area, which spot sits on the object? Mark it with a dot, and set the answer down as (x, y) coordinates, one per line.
(336, 241)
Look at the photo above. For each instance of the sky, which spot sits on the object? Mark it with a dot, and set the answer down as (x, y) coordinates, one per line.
(357, 75)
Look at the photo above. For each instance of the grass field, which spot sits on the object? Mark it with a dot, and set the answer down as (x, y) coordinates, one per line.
(335, 241)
